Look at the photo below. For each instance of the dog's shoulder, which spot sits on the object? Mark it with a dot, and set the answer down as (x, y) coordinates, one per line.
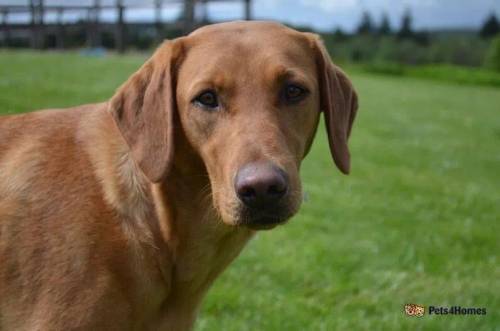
(58, 223)
(42, 161)
(43, 126)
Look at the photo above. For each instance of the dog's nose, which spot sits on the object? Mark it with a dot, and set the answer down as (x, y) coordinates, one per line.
(260, 184)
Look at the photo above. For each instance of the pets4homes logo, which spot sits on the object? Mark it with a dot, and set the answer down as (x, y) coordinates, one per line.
(412, 309)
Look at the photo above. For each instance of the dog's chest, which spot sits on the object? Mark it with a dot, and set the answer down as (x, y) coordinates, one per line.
(197, 263)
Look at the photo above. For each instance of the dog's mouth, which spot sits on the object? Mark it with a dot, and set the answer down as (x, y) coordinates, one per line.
(263, 219)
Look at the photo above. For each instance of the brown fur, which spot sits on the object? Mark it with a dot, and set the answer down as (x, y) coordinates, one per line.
(119, 215)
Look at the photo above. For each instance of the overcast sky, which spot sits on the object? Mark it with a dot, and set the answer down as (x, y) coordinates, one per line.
(323, 14)
(327, 14)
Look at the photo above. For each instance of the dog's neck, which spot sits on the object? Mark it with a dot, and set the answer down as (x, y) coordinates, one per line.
(192, 228)
(200, 244)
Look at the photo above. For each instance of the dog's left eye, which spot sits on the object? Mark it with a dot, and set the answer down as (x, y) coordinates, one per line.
(294, 93)
(207, 99)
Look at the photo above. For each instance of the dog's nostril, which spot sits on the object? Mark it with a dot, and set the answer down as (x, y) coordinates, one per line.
(276, 190)
(247, 192)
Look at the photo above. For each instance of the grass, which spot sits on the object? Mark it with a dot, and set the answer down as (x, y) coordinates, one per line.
(440, 72)
(417, 221)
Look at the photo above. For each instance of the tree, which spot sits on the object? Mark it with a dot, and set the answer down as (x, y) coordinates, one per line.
(339, 34)
(490, 28)
(366, 25)
(422, 38)
(406, 31)
(385, 26)
(493, 58)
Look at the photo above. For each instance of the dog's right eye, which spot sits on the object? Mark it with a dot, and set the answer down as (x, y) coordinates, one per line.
(207, 99)
(293, 93)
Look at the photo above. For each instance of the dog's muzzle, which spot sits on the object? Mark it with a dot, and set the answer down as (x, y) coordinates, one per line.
(262, 188)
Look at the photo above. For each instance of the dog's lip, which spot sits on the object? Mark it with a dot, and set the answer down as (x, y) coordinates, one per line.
(264, 221)
(263, 226)
(260, 218)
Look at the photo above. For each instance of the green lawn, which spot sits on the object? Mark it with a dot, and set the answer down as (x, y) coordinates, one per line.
(417, 221)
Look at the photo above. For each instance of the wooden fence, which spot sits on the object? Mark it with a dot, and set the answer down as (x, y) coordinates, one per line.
(36, 27)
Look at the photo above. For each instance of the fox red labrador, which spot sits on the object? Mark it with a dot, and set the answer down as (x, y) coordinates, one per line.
(120, 215)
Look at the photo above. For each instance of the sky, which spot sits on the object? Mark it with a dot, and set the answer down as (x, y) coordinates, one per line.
(326, 15)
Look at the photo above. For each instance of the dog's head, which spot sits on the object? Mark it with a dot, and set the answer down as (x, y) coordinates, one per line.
(248, 97)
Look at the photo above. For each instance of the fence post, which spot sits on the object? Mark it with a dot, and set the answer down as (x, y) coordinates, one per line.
(5, 25)
(158, 20)
(96, 33)
(204, 12)
(93, 35)
(248, 10)
(189, 8)
(33, 24)
(120, 28)
(60, 28)
(41, 24)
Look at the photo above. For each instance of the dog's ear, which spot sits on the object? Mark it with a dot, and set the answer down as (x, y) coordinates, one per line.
(143, 109)
(339, 103)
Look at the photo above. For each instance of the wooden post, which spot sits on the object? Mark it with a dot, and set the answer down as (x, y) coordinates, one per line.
(60, 28)
(93, 35)
(189, 7)
(120, 28)
(248, 10)
(37, 24)
(33, 21)
(5, 28)
(96, 33)
(158, 20)
(204, 12)
(41, 24)
(89, 29)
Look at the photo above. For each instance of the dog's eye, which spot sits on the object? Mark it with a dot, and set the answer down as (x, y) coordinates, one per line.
(294, 93)
(207, 99)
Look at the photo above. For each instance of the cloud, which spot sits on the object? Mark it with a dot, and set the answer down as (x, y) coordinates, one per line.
(331, 5)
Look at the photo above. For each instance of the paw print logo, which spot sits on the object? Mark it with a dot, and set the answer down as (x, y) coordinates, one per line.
(412, 309)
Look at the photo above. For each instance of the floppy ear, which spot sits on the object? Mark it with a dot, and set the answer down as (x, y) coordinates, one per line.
(339, 102)
(143, 109)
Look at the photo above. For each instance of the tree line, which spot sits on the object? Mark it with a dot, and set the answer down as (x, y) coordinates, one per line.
(367, 26)
(382, 44)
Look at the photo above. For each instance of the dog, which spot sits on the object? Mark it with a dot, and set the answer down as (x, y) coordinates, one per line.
(120, 215)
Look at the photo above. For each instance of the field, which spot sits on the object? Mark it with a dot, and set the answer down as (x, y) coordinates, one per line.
(417, 221)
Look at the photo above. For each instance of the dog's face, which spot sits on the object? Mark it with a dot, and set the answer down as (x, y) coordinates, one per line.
(248, 96)
(250, 110)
